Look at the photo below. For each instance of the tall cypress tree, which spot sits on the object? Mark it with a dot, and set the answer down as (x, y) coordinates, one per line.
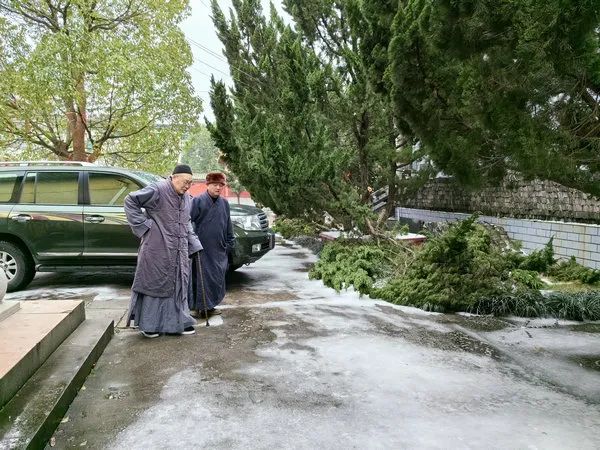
(491, 86)
(286, 127)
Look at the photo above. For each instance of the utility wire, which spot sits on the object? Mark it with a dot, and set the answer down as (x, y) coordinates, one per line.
(222, 59)
(216, 68)
(211, 75)
(208, 50)
(199, 71)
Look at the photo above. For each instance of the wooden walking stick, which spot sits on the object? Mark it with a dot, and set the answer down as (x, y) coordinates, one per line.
(195, 288)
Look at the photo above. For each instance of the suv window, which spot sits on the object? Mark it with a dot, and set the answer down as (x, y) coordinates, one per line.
(108, 189)
(7, 186)
(51, 188)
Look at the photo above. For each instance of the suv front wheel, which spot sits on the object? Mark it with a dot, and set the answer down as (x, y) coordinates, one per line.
(19, 269)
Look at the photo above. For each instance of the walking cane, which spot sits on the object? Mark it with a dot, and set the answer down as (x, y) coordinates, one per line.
(195, 288)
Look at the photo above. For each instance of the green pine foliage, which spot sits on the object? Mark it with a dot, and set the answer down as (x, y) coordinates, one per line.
(344, 264)
(465, 268)
(539, 260)
(572, 271)
(454, 271)
(492, 86)
(290, 227)
(337, 98)
(304, 128)
(529, 278)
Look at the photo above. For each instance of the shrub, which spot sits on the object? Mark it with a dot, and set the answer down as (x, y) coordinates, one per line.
(529, 278)
(465, 268)
(528, 303)
(572, 271)
(456, 270)
(539, 260)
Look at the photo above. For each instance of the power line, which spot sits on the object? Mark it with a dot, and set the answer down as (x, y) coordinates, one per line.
(199, 71)
(216, 68)
(208, 50)
(211, 75)
(216, 55)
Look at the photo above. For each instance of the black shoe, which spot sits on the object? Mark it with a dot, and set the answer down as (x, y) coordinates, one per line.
(188, 330)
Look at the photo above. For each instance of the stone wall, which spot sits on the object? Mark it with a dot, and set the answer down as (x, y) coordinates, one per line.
(514, 198)
(570, 239)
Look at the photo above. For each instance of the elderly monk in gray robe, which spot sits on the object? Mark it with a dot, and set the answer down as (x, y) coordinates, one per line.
(159, 214)
(212, 223)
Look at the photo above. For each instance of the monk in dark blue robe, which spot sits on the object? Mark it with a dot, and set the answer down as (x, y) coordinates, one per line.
(212, 223)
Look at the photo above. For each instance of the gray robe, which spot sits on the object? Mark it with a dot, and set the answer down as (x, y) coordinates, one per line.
(159, 291)
(212, 224)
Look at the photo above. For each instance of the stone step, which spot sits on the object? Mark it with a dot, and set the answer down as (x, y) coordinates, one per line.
(8, 308)
(30, 335)
(31, 417)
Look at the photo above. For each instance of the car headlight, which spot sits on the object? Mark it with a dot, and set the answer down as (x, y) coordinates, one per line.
(251, 222)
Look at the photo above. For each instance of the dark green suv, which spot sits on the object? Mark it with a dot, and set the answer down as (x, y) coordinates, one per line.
(70, 217)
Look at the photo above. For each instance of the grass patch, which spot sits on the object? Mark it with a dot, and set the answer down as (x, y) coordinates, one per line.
(574, 306)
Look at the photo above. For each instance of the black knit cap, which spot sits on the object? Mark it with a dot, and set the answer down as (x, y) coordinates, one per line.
(182, 168)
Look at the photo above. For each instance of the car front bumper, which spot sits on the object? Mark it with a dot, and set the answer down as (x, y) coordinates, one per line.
(251, 246)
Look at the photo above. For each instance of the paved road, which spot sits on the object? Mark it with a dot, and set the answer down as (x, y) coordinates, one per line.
(295, 365)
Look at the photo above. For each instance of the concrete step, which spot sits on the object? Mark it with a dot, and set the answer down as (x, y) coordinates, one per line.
(30, 418)
(8, 308)
(29, 336)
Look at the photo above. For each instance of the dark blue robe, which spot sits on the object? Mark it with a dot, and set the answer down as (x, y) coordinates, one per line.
(212, 223)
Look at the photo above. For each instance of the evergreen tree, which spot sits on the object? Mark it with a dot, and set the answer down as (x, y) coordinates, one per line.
(306, 126)
(490, 86)
(275, 128)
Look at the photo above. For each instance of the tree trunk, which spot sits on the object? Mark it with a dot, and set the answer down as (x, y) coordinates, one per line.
(392, 194)
(78, 130)
(362, 139)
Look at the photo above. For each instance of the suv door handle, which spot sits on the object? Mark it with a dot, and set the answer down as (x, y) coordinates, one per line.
(94, 219)
(21, 217)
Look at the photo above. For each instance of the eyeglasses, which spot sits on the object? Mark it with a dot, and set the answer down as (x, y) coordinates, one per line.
(188, 182)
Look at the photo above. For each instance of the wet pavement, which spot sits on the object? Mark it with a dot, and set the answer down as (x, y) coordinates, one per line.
(292, 364)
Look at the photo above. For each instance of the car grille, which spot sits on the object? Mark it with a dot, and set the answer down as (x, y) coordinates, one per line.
(264, 222)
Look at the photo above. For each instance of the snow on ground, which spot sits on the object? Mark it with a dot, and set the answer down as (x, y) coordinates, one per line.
(343, 373)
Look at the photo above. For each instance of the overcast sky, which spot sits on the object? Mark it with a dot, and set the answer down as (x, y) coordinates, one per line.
(207, 49)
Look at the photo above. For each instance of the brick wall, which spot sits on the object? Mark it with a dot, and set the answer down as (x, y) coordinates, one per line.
(570, 239)
(515, 198)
